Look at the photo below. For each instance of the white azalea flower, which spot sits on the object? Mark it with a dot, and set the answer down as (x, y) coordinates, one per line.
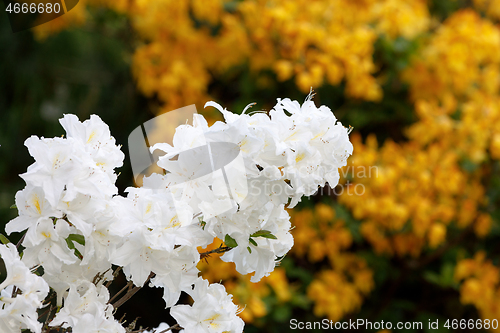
(56, 164)
(32, 207)
(213, 311)
(177, 274)
(81, 210)
(96, 138)
(46, 245)
(185, 137)
(86, 310)
(20, 312)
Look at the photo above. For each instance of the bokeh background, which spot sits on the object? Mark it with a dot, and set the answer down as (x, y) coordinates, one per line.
(410, 234)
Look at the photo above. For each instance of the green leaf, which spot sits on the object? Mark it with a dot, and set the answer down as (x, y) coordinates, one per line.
(296, 272)
(260, 233)
(444, 278)
(447, 274)
(270, 236)
(301, 301)
(469, 165)
(80, 239)
(253, 242)
(70, 244)
(78, 254)
(13, 206)
(282, 313)
(75, 238)
(229, 241)
(202, 223)
(4, 239)
(249, 249)
(263, 233)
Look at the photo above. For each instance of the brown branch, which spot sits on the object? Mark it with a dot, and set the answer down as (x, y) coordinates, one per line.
(220, 249)
(20, 241)
(48, 315)
(128, 285)
(115, 274)
(175, 327)
(131, 293)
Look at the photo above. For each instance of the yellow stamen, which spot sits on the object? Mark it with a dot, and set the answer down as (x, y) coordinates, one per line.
(299, 157)
(36, 202)
(91, 136)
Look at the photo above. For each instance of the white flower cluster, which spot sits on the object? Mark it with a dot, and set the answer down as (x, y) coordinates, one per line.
(22, 293)
(288, 154)
(231, 180)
